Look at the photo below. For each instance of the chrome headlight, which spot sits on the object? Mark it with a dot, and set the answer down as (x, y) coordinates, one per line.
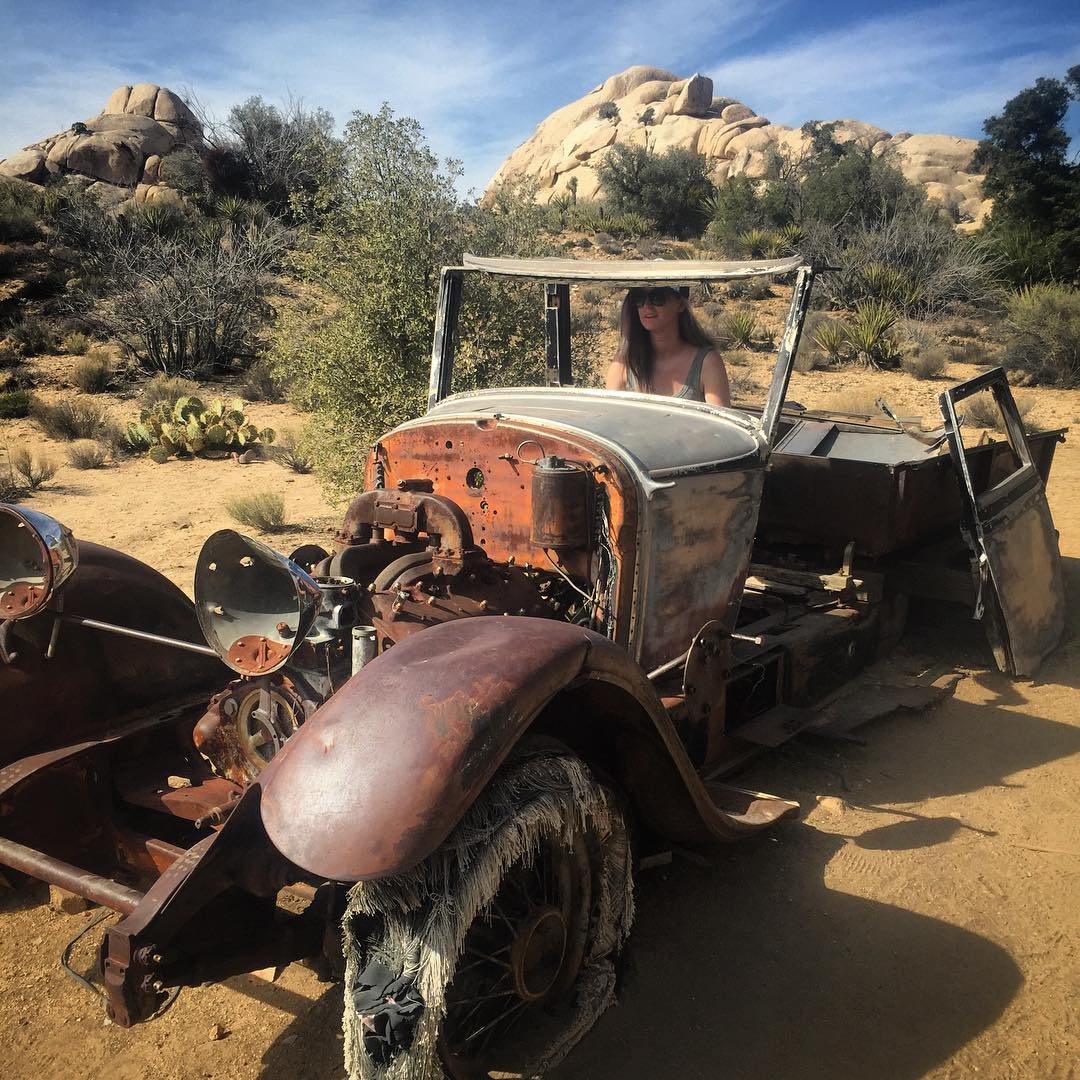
(37, 555)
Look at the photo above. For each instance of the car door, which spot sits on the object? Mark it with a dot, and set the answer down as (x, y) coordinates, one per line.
(1008, 527)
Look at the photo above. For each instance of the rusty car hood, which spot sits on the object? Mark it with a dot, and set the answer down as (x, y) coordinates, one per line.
(661, 436)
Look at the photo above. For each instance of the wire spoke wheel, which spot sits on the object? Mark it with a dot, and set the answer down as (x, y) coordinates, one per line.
(501, 945)
(521, 957)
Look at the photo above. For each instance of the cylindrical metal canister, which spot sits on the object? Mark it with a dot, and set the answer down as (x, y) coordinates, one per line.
(560, 505)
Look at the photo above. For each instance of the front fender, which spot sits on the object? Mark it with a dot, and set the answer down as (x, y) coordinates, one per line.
(381, 774)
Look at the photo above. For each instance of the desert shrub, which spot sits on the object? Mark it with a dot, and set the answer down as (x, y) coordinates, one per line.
(69, 419)
(809, 358)
(743, 387)
(33, 335)
(19, 213)
(260, 383)
(183, 295)
(981, 411)
(830, 336)
(915, 260)
(11, 490)
(167, 389)
(76, 344)
(33, 469)
(668, 188)
(630, 225)
(868, 333)
(739, 327)
(758, 288)
(261, 511)
(1045, 320)
(608, 111)
(925, 362)
(10, 356)
(93, 373)
(289, 452)
(87, 454)
(15, 404)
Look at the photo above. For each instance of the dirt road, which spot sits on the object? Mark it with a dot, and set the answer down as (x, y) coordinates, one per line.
(921, 920)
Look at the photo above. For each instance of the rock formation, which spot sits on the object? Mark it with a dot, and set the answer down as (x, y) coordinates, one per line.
(646, 106)
(118, 153)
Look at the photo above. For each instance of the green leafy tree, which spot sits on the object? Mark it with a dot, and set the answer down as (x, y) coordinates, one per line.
(670, 188)
(1034, 185)
(361, 364)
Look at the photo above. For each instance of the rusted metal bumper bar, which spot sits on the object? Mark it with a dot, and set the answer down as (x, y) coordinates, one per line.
(45, 868)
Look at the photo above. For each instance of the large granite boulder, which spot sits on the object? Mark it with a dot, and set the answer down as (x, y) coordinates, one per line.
(659, 110)
(119, 149)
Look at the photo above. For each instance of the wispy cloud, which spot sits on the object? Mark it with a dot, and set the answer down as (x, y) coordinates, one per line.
(480, 77)
(939, 69)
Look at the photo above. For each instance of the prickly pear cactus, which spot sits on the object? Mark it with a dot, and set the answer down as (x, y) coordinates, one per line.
(189, 428)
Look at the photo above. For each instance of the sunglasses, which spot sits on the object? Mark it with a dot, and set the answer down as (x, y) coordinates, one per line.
(656, 297)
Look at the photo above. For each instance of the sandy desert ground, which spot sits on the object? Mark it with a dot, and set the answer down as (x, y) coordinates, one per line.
(920, 920)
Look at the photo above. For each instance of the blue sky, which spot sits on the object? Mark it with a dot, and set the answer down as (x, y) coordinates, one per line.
(480, 76)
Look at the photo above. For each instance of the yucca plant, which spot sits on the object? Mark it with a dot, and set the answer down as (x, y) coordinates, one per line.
(774, 246)
(868, 332)
(753, 242)
(739, 328)
(791, 236)
(158, 219)
(233, 210)
(830, 337)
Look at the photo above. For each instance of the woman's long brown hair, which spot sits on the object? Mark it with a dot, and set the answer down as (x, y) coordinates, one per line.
(635, 345)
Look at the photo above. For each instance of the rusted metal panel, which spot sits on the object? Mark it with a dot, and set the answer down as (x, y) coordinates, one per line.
(97, 679)
(380, 774)
(693, 554)
(1016, 560)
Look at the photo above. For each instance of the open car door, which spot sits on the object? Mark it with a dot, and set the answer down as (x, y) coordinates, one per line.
(1014, 544)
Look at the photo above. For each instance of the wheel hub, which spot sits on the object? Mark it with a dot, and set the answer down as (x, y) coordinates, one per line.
(537, 952)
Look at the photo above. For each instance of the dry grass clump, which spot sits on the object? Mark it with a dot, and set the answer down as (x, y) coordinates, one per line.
(261, 511)
(33, 469)
(981, 411)
(93, 374)
(260, 384)
(925, 363)
(69, 419)
(76, 344)
(10, 356)
(850, 403)
(167, 389)
(290, 452)
(87, 454)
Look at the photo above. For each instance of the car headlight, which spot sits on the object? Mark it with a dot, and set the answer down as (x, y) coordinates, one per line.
(37, 555)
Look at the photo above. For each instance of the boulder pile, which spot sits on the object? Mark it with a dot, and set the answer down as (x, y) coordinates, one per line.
(647, 106)
(118, 153)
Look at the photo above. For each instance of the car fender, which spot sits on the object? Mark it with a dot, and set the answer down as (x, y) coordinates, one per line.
(95, 679)
(381, 774)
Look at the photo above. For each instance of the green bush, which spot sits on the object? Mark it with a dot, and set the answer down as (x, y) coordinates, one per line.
(830, 336)
(670, 188)
(15, 404)
(19, 213)
(1045, 320)
(93, 373)
(262, 511)
(608, 111)
(87, 454)
(69, 419)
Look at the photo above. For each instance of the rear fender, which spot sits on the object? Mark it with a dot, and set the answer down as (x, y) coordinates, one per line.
(381, 774)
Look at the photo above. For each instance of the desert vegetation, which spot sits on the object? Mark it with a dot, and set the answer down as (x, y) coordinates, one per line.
(299, 265)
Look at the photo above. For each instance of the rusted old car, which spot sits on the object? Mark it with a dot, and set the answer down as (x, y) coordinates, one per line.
(555, 619)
